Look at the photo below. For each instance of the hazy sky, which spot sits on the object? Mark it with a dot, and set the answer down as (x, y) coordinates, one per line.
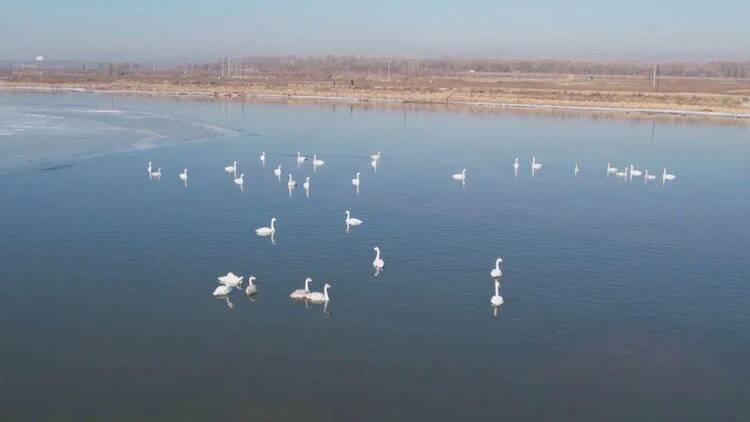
(201, 29)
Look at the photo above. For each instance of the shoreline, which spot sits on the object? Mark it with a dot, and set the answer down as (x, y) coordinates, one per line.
(401, 101)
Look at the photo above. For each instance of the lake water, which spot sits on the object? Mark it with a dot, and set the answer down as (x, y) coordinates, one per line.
(623, 301)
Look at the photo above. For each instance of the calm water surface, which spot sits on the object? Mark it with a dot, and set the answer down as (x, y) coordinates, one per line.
(623, 301)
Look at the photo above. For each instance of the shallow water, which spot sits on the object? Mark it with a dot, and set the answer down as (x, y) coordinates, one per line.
(623, 301)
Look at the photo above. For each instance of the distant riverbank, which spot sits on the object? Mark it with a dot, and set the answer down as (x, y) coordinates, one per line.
(669, 105)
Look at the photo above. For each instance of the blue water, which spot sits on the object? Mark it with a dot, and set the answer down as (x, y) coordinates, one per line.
(623, 301)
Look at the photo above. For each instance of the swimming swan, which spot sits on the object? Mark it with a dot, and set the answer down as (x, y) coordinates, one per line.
(647, 177)
(263, 158)
(515, 164)
(355, 181)
(301, 158)
(634, 172)
(232, 168)
(577, 169)
(302, 293)
(319, 297)
(183, 175)
(222, 291)
(317, 162)
(277, 172)
(611, 170)
(251, 288)
(460, 176)
(292, 184)
(231, 279)
(497, 300)
(267, 231)
(534, 164)
(496, 272)
(149, 169)
(377, 263)
(306, 185)
(351, 221)
(156, 173)
(240, 180)
(375, 157)
(667, 176)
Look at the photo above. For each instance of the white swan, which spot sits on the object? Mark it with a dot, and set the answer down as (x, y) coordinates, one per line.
(667, 176)
(577, 169)
(647, 177)
(231, 169)
(634, 172)
(318, 296)
(377, 263)
(515, 164)
(306, 185)
(231, 279)
(317, 162)
(497, 300)
(156, 173)
(251, 288)
(240, 180)
(355, 181)
(351, 221)
(292, 184)
(374, 164)
(277, 172)
(622, 173)
(534, 164)
(263, 158)
(222, 291)
(267, 231)
(149, 169)
(496, 272)
(375, 157)
(301, 158)
(611, 170)
(302, 293)
(460, 176)
(183, 175)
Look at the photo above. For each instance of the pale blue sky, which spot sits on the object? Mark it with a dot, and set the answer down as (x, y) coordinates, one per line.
(200, 29)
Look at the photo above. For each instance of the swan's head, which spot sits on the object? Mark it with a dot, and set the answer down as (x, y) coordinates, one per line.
(376, 249)
(185, 171)
(346, 212)
(308, 280)
(358, 174)
(250, 279)
(307, 179)
(149, 163)
(327, 286)
(499, 260)
(298, 154)
(273, 220)
(463, 171)
(234, 163)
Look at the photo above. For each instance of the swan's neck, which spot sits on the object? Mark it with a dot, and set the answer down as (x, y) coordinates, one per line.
(377, 254)
(272, 225)
(497, 288)
(325, 292)
(497, 265)
(307, 285)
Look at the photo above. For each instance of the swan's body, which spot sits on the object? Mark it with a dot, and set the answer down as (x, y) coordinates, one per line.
(622, 173)
(460, 176)
(318, 296)
(667, 176)
(263, 158)
(306, 185)
(251, 288)
(277, 172)
(647, 177)
(634, 172)
(156, 173)
(611, 170)
(317, 162)
(267, 231)
(534, 164)
(351, 221)
(292, 184)
(240, 180)
(497, 300)
(355, 181)
(374, 164)
(183, 175)
(223, 290)
(375, 157)
(577, 169)
(515, 164)
(497, 272)
(301, 158)
(302, 293)
(231, 169)
(231, 279)
(377, 263)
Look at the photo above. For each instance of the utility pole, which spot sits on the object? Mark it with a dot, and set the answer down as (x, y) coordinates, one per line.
(229, 65)
(222, 65)
(389, 70)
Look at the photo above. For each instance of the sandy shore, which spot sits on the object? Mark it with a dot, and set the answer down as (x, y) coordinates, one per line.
(701, 105)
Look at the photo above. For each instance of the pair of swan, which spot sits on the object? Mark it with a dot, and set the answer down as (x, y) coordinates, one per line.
(232, 281)
(267, 231)
(319, 297)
